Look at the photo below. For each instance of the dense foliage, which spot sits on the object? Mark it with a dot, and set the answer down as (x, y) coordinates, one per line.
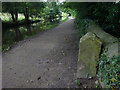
(28, 9)
(107, 15)
(52, 12)
(109, 71)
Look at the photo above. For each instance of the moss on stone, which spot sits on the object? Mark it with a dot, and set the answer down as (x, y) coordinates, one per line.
(89, 50)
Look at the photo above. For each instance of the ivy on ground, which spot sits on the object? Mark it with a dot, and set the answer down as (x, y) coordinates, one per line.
(109, 71)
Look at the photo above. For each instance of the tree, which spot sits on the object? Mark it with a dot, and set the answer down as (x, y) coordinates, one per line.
(12, 8)
(32, 9)
(29, 9)
(106, 14)
(52, 12)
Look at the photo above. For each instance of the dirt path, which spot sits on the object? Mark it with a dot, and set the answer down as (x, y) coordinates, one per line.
(46, 60)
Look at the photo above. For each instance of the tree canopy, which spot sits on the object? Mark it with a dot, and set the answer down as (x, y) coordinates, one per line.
(106, 14)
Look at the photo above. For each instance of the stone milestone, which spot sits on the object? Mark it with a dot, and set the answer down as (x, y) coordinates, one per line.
(89, 51)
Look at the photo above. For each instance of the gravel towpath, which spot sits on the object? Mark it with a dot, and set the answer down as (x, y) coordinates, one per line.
(46, 60)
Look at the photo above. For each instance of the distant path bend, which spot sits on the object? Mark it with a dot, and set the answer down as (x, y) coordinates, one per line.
(48, 60)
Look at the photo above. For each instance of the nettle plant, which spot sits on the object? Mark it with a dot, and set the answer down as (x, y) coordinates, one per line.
(109, 71)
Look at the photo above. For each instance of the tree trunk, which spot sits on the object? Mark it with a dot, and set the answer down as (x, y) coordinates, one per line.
(16, 16)
(13, 18)
(29, 29)
(16, 12)
(26, 14)
(19, 36)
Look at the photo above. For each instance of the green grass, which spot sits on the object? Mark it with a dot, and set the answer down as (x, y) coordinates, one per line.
(47, 27)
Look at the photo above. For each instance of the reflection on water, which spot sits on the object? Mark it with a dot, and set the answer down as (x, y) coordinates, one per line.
(23, 31)
(13, 35)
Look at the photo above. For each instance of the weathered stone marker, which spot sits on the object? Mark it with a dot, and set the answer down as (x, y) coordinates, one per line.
(89, 50)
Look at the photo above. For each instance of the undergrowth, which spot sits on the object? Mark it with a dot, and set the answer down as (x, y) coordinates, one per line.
(109, 71)
(81, 26)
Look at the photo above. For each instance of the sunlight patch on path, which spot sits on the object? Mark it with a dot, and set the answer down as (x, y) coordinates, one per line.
(71, 17)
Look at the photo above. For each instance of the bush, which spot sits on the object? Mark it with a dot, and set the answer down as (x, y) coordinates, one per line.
(81, 25)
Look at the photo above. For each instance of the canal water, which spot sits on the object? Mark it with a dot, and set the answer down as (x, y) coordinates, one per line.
(15, 34)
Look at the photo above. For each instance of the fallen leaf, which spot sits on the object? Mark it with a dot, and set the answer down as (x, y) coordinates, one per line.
(96, 82)
(39, 78)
